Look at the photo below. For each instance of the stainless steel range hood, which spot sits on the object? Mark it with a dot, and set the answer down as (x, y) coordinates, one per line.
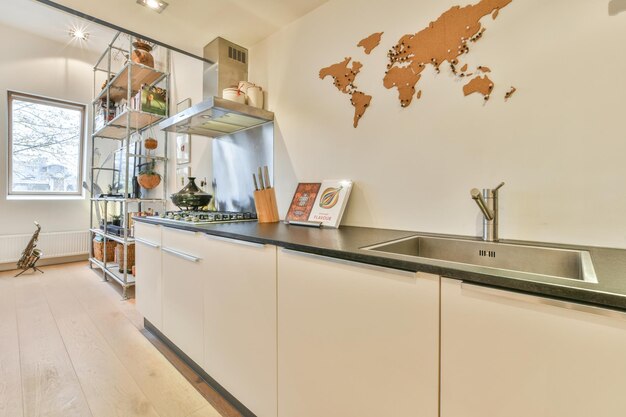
(215, 116)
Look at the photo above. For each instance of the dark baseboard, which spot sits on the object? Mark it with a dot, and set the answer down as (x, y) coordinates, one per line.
(236, 404)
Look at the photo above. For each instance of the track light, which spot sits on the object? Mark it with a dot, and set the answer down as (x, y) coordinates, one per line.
(156, 5)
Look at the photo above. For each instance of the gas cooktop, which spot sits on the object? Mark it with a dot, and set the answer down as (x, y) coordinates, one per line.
(205, 217)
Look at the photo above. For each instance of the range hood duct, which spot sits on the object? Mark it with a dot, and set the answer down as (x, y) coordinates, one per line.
(215, 116)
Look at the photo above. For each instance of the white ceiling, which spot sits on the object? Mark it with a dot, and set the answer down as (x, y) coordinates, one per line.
(186, 24)
(53, 24)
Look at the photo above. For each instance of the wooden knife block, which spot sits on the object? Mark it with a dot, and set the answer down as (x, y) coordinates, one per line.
(266, 207)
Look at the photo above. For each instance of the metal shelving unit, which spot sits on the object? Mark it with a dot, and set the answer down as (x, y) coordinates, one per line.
(124, 128)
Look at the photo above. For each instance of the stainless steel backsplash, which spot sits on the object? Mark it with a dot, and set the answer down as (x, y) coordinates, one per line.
(235, 158)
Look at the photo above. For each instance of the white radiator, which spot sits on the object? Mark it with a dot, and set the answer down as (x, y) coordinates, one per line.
(53, 245)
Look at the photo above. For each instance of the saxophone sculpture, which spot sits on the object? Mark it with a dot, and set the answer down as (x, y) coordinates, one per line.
(30, 255)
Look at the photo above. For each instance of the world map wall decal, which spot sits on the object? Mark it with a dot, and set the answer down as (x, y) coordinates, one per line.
(446, 40)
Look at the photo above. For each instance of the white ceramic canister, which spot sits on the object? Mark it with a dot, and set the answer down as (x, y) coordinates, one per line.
(234, 94)
(244, 85)
(255, 96)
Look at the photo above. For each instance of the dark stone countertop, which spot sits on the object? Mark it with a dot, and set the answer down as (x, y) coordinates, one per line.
(346, 243)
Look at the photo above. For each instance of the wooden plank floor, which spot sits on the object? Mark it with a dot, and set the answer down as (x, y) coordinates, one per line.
(69, 346)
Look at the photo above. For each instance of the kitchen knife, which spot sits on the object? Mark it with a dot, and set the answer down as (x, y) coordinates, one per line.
(267, 177)
(256, 185)
(261, 184)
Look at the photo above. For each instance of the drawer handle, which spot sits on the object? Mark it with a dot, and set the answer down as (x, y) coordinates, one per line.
(401, 272)
(535, 299)
(191, 232)
(182, 255)
(147, 243)
(236, 241)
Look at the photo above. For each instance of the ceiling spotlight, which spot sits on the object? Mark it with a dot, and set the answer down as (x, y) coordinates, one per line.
(79, 33)
(156, 5)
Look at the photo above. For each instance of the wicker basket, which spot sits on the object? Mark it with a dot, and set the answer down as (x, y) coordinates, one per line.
(98, 249)
(119, 256)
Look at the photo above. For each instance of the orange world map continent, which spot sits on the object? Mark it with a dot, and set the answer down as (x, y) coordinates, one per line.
(343, 78)
(371, 42)
(446, 39)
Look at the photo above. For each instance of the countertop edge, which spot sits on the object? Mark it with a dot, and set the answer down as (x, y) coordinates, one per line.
(609, 300)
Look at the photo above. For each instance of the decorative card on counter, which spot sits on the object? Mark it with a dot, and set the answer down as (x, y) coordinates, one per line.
(331, 202)
(302, 202)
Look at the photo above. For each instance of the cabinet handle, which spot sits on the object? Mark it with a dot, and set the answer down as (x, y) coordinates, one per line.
(534, 299)
(155, 226)
(147, 243)
(182, 255)
(236, 241)
(408, 274)
(192, 232)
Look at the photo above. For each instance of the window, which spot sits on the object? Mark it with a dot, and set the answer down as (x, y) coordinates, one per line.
(45, 146)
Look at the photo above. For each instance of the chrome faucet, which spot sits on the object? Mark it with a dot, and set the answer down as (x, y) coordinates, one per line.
(488, 204)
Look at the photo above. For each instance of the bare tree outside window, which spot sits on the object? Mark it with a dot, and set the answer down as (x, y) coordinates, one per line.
(45, 146)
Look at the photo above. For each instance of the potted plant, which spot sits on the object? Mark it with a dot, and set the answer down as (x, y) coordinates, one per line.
(148, 178)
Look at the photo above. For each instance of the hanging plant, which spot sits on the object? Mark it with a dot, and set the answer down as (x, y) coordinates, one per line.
(148, 178)
(150, 143)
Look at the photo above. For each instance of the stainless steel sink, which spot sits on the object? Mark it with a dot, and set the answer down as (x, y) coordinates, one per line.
(561, 263)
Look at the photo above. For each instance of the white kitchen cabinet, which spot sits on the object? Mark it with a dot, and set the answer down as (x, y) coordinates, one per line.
(184, 272)
(240, 321)
(148, 281)
(355, 340)
(510, 355)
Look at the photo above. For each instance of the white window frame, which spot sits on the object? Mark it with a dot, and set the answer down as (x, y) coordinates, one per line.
(38, 195)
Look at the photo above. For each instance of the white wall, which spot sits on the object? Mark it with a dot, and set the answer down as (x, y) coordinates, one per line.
(559, 143)
(186, 82)
(36, 65)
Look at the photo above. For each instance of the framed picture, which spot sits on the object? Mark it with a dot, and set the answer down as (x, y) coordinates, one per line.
(183, 105)
(183, 149)
(182, 173)
(153, 100)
